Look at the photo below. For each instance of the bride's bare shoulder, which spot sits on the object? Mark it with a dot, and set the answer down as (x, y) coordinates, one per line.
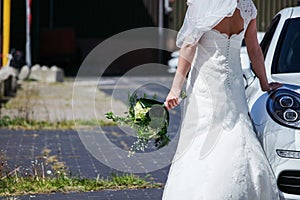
(231, 25)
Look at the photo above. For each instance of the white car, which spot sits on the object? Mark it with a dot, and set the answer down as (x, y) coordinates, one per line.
(276, 115)
(173, 62)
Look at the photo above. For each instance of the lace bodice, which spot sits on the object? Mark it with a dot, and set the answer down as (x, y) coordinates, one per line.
(248, 11)
(202, 17)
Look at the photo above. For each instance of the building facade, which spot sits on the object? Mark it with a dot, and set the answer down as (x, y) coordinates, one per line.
(65, 31)
(266, 11)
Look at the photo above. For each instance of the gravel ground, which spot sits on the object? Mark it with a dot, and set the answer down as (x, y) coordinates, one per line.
(53, 101)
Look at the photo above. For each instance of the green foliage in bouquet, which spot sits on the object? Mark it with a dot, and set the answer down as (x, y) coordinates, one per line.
(149, 118)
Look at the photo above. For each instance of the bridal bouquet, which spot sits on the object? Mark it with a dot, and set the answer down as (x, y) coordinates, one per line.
(149, 118)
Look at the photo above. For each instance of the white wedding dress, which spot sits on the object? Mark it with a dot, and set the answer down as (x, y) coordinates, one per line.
(218, 155)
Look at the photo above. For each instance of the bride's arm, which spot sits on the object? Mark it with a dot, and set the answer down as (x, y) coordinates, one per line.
(257, 58)
(186, 57)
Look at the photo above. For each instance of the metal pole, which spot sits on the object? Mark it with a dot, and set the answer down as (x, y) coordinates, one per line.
(160, 30)
(28, 32)
(6, 31)
(161, 14)
(1, 31)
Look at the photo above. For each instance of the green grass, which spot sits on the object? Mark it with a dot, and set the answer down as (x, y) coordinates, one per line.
(95, 123)
(12, 186)
(48, 174)
(22, 123)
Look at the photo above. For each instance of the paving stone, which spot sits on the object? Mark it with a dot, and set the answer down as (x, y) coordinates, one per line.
(22, 147)
(143, 194)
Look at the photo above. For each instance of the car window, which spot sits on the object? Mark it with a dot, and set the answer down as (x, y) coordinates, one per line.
(243, 43)
(265, 43)
(287, 54)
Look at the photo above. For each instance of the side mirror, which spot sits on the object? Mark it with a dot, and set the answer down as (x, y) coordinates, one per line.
(248, 77)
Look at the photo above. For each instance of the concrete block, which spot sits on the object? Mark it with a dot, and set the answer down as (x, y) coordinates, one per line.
(24, 73)
(35, 67)
(45, 74)
(8, 82)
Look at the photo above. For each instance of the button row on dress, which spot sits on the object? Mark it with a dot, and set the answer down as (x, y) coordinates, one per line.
(227, 63)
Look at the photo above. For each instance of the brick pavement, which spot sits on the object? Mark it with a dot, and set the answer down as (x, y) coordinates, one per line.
(22, 147)
(153, 194)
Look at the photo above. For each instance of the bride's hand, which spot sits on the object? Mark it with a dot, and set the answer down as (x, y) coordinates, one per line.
(172, 99)
(271, 86)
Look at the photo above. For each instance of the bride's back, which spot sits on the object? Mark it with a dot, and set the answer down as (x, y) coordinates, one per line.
(231, 25)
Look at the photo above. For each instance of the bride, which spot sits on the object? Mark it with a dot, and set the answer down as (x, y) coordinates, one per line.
(218, 155)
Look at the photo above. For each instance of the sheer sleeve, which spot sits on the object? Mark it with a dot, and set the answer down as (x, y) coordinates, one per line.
(202, 16)
(254, 11)
(248, 11)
